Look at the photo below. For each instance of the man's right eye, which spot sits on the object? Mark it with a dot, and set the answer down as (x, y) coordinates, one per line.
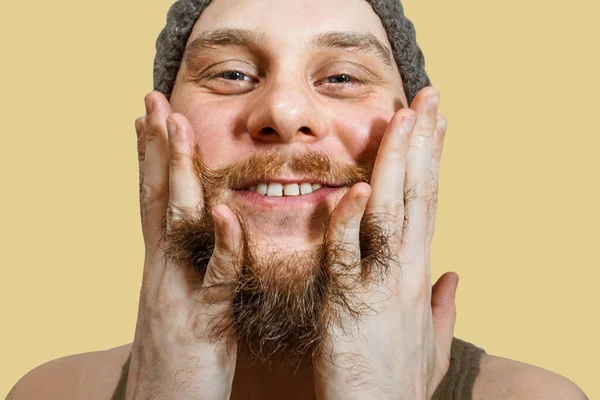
(228, 81)
(232, 75)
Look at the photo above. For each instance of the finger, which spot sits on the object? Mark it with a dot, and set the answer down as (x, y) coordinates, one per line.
(418, 171)
(343, 240)
(141, 150)
(387, 180)
(438, 146)
(154, 193)
(185, 191)
(224, 266)
(443, 308)
(141, 147)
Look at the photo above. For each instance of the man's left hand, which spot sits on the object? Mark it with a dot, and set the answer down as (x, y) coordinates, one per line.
(401, 349)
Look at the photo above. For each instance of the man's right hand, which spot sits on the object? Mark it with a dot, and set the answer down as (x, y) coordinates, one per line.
(172, 355)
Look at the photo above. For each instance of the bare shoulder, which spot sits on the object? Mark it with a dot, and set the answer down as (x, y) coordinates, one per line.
(89, 376)
(503, 379)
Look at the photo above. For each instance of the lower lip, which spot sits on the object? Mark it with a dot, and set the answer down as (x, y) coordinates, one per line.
(273, 202)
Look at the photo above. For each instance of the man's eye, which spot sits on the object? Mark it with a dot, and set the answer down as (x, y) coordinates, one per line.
(233, 76)
(228, 81)
(340, 78)
(342, 86)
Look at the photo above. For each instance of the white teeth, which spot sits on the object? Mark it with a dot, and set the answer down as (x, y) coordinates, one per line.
(291, 190)
(305, 188)
(261, 188)
(275, 189)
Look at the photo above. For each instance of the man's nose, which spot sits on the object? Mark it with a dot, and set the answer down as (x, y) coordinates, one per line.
(286, 113)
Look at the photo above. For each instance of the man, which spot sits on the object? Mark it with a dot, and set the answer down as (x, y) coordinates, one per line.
(288, 174)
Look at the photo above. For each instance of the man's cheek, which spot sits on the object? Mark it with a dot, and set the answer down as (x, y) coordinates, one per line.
(215, 138)
(360, 130)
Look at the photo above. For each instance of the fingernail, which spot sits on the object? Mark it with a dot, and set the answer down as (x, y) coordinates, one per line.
(361, 201)
(138, 128)
(171, 127)
(149, 104)
(432, 101)
(217, 218)
(442, 125)
(408, 123)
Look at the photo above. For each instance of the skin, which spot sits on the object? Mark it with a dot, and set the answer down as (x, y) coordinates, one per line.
(348, 129)
(225, 120)
(404, 348)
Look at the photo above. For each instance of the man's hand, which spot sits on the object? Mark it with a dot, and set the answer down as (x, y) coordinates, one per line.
(172, 354)
(402, 348)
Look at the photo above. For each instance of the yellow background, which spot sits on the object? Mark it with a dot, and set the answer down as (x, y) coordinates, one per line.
(518, 216)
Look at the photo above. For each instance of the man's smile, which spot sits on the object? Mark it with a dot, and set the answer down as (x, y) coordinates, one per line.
(280, 195)
(278, 189)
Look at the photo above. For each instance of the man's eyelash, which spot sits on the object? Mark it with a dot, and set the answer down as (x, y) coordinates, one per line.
(220, 74)
(350, 79)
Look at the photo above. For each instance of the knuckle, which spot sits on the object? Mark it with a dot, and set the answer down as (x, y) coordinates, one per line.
(151, 194)
(156, 306)
(179, 159)
(190, 335)
(176, 213)
(153, 135)
(422, 187)
(392, 211)
(435, 186)
(416, 203)
(154, 129)
(344, 224)
(217, 270)
(141, 153)
(416, 290)
(196, 325)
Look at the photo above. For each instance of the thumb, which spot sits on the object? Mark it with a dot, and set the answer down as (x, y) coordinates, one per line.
(224, 265)
(443, 308)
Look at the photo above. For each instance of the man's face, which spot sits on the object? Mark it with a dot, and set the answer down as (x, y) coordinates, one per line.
(286, 94)
(287, 76)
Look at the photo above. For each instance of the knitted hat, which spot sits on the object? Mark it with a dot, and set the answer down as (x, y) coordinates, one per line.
(182, 16)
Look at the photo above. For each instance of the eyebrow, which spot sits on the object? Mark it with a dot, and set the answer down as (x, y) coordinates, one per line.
(226, 37)
(364, 42)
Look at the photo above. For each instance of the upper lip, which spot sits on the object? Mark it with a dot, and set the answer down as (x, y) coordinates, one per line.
(284, 181)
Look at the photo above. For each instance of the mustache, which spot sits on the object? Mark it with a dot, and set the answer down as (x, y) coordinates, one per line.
(270, 164)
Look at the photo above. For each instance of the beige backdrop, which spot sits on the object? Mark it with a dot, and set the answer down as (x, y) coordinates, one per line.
(518, 216)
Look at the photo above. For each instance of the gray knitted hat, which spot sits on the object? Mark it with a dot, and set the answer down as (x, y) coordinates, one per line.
(182, 16)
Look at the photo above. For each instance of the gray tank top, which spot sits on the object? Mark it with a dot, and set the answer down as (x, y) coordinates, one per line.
(456, 385)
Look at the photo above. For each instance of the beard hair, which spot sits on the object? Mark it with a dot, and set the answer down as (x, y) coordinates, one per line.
(283, 306)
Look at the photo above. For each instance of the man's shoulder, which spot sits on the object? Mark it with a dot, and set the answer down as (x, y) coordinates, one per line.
(503, 379)
(89, 376)
(94, 376)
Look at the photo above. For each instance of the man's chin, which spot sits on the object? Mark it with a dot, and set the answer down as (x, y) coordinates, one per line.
(287, 293)
(283, 234)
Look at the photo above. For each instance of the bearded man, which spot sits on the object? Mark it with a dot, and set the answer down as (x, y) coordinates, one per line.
(289, 159)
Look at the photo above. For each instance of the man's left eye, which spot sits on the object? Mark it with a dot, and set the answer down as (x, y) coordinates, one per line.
(340, 78)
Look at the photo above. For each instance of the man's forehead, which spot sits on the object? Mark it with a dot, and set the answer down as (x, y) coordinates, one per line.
(300, 21)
